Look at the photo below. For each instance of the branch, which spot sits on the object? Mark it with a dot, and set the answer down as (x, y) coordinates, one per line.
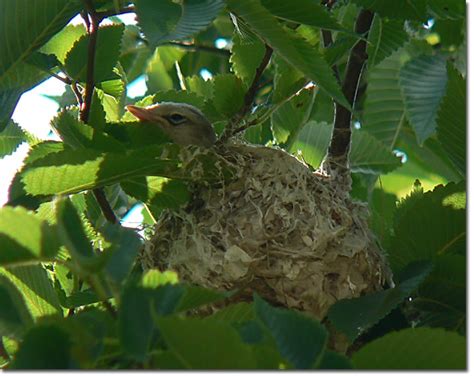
(341, 136)
(93, 28)
(327, 39)
(249, 97)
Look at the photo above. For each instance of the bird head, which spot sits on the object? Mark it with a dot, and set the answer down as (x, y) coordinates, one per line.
(183, 123)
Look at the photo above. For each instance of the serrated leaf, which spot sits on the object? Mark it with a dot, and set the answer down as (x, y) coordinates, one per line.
(385, 37)
(160, 71)
(196, 296)
(228, 94)
(418, 348)
(368, 155)
(61, 43)
(423, 82)
(37, 289)
(303, 12)
(296, 51)
(24, 32)
(299, 338)
(14, 315)
(246, 57)
(214, 343)
(452, 120)
(447, 9)
(402, 9)
(24, 237)
(168, 20)
(106, 57)
(384, 111)
(137, 134)
(429, 226)
(10, 138)
(238, 312)
(44, 347)
(354, 316)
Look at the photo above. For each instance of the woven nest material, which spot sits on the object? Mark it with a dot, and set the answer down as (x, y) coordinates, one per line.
(292, 235)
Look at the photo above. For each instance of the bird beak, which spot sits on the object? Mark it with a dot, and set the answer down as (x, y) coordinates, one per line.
(141, 113)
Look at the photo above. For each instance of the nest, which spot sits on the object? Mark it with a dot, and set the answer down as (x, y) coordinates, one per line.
(290, 234)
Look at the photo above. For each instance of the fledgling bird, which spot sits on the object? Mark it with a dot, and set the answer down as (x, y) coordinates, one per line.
(183, 123)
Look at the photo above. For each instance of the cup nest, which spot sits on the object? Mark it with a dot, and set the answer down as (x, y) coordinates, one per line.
(291, 234)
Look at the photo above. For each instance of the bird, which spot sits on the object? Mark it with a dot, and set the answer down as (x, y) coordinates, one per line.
(183, 123)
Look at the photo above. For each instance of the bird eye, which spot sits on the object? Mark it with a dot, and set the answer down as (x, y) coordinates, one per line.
(176, 119)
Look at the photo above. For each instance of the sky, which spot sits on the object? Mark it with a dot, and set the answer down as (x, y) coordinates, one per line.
(34, 112)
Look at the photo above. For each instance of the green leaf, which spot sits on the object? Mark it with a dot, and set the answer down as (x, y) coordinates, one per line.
(430, 225)
(157, 192)
(61, 43)
(14, 315)
(441, 299)
(384, 111)
(418, 348)
(161, 69)
(296, 51)
(228, 94)
(423, 82)
(382, 208)
(238, 312)
(402, 9)
(246, 57)
(213, 343)
(368, 155)
(196, 296)
(136, 135)
(299, 338)
(44, 347)
(106, 57)
(334, 360)
(24, 237)
(10, 138)
(168, 20)
(288, 80)
(153, 278)
(72, 171)
(24, 32)
(385, 37)
(447, 9)
(354, 316)
(452, 120)
(37, 289)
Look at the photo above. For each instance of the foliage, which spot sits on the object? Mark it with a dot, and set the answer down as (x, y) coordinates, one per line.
(72, 293)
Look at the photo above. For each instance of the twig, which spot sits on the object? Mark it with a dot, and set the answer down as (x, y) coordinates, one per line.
(341, 136)
(200, 47)
(249, 97)
(93, 28)
(77, 93)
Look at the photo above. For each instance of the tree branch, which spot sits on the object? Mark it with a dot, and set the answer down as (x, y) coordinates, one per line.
(341, 136)
(249, 97)
(93, 28)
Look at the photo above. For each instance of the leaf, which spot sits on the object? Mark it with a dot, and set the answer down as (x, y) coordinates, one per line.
(196, 296)
(106, 56)
(14, 315)
(37, 289)
(246, 57)
(72, 171)
(44, 347)
(441, 299)
(354, 316)
(171, 21)
(157, 192)
(418, 348)
(25, 32)
(403, 9)
(10, 138)
(61, 43)
(288, 80)
(386, 36)
(137, 134)
(447, 9)
(303, 12)
(430, 226)
(452, 120)
(368, 155)
(382, 208)
(299, 338)
(423, 82)
(384, 111)
(161, 69)
(213, 344)
(334, 360)
(228, 94)
(296, 51)
(25, 238)
(238, 312)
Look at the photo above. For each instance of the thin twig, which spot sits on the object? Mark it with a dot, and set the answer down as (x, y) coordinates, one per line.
(77, 93)
(327, 39)
(341, 136)
(93, 28)
(249, 98)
